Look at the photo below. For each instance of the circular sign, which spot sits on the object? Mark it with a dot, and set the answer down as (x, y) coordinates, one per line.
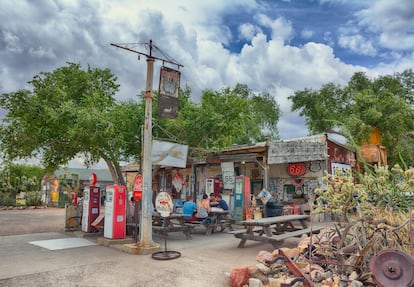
(92, 178)
(296, 169)
(164, 204)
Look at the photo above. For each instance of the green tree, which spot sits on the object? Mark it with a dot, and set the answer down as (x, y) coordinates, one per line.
(222, 118)
(70, 111)
(385, 102)
(25, 170)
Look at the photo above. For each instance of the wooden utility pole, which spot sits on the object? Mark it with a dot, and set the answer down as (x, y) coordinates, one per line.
(146, 244)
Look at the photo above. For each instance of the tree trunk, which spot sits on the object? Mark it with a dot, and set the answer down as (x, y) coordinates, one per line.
(115, 171)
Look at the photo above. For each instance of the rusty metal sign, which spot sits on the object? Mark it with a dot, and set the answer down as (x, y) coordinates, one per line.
(169, 154)
(168, 93)
(296, 151)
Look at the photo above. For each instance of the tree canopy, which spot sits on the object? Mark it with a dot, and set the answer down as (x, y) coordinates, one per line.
(223, 118)
(385, 102)
(69, 111)
(72, 111)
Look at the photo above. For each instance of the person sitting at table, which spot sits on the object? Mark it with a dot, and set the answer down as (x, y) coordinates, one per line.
(213, 200)
(203, 208)
(222, 203)
(189, 209)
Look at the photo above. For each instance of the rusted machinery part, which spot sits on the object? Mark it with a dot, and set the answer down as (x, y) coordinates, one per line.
(166, 255)
(293, 282)
(296, 270)
(392, 268)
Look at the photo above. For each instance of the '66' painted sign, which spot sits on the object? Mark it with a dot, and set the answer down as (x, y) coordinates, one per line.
(296, 169)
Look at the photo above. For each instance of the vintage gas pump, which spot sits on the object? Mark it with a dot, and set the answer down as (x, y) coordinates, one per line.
(91, 204)
(212, 186)
(242, 198)
(115, 212)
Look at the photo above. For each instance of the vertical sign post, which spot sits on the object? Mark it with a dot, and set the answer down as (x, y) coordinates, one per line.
(146, 244)
(145, 230)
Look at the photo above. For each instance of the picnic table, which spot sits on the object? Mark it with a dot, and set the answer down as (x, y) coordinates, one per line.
(175, 222)
(273, 229)
(217, 218)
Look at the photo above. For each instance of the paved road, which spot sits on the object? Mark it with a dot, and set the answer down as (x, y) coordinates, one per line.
(203, 262)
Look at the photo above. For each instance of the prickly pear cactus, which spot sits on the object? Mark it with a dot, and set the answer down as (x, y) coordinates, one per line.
(7, 191)
(23, 184)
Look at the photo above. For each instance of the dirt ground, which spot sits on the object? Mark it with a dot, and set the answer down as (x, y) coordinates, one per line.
(27, 221)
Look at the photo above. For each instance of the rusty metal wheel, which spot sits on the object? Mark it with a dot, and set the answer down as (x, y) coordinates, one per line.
(166, 255)
(392, 268)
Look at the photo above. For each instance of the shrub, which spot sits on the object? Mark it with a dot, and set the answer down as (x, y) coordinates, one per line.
(33, 198)
(7, 199)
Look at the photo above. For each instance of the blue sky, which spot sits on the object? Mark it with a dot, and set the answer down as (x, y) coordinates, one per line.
(276, 47)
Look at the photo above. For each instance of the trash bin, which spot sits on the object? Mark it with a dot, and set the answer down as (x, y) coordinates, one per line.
(273, 208)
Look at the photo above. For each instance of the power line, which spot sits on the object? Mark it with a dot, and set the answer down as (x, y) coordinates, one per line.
(151, 47)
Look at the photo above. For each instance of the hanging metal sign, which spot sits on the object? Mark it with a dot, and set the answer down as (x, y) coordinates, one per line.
(169, 154)
(227, 170)
(295, 151)
(168, 93)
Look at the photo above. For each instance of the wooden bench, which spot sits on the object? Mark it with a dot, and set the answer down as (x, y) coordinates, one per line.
(283, 236)
(238, 231)
(164, 230)
(193, 223)
(241, 231)
(211, 226)
(255, 229)
(274, 239)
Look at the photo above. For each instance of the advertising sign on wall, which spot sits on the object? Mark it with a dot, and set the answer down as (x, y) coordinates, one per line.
(227, 170)
(341, 169)
(284, 152)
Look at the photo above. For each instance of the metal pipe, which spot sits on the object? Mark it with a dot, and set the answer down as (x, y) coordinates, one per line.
(264, 166)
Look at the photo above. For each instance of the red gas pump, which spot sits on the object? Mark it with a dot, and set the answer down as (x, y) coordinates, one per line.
(213, 186)
(115, 212)
(91, 207)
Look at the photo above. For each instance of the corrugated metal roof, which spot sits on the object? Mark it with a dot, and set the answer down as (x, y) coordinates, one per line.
(245, 147)
(134, 167)
(313, 138)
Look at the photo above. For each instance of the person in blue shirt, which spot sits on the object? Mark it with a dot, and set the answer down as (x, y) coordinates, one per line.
(222, 203)
(189, 208)
(213, 200)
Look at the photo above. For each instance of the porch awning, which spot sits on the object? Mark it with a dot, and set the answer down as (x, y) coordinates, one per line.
(248, 157)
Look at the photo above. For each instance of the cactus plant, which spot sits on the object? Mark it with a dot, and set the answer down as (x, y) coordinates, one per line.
(22, 184)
